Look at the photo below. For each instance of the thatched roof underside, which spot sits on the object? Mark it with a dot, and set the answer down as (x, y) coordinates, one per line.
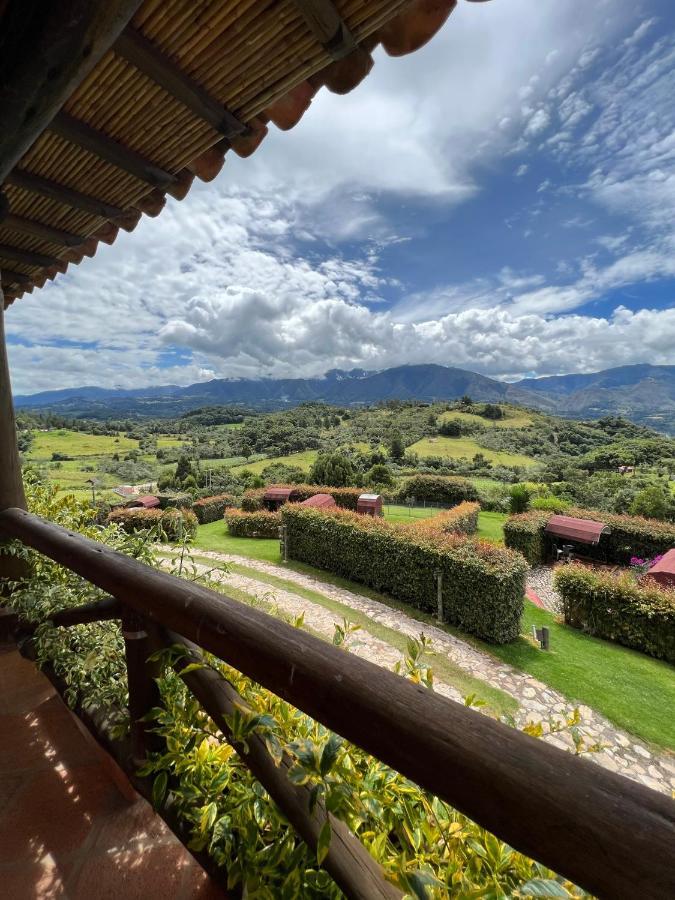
(186, 82)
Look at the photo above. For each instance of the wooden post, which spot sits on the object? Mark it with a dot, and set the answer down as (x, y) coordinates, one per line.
(141, 675)
(439, 597)
(11, 483)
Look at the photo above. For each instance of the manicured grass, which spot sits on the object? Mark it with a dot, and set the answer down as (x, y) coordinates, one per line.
(396, 513)
(77, 443)
(491, 526)
(512, 419)
(634, 691)
(214, 537)
(302, 460)
(454, 448)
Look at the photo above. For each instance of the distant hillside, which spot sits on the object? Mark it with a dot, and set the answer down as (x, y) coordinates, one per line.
(643, 393)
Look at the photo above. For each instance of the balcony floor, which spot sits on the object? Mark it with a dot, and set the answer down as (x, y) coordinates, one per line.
(71, 826)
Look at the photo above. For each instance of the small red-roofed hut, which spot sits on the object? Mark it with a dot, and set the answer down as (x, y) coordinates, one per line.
(147, 502)
(663, 572)
(581, 531)
(319, 501)
(370, 505)
(275, 497)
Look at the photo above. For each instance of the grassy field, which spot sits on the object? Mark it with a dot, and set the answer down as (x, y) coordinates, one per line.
(454, 448)
(302, 460)
(77, 444)
(512, 419)
(491, 526)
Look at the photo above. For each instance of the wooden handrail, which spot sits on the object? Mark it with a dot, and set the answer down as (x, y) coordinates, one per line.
(606, 833)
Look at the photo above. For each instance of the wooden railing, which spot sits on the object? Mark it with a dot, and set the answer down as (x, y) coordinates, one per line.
(608, 834)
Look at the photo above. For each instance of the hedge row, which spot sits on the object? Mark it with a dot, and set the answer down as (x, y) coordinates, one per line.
(211, 509)
(345, 497)
(630, 535)
(617, 608)
(461, 519)
(525, 533)
(483, 585)
(174, 524)
(260, 524)
(442, 489)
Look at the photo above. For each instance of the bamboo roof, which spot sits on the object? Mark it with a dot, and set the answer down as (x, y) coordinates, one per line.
(184, 83)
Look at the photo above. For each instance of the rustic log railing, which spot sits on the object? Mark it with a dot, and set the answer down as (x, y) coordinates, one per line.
(606, 833)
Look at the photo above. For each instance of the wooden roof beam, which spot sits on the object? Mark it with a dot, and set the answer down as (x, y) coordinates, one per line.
(66, 126)
(328, 27)
(125, 218)
(141, 53)
(9, 276)
(46, 50)
(46, 232)
(31, 258)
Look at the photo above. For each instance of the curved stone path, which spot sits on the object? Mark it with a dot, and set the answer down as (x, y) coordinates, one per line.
(622, 752)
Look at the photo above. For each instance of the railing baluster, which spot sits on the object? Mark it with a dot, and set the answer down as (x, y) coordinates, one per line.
(141, 675)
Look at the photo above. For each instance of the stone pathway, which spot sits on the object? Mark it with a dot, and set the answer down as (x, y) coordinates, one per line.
(537, 702)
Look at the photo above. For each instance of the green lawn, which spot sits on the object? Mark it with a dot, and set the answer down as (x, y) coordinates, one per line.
(454, 448)
(396, 513)
(633, 690)
(77, 443)
(491, 526)
(512, 419)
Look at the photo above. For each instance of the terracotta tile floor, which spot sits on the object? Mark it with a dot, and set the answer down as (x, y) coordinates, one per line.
(71, 826)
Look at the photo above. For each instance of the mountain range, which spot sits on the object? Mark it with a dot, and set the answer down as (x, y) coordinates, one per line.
(643, 393)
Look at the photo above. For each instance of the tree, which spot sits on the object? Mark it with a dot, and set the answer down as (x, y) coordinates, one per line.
(451, 428)
(396, 448)
(379, 475)
(183, 468)
(466, 401)
(492, 411)
(332, 469)
(651, 503)
(519, 499)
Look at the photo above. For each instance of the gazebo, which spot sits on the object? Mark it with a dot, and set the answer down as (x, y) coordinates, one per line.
(105, 109)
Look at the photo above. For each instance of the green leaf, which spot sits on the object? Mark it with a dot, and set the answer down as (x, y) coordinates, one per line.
(208, 817)
(330, 752)
(543, 887)
(159, 786)
(192, 667)
(323, 843)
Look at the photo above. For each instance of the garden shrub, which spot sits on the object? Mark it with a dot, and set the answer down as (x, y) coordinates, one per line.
(483, 585)
(252, 500)
(551, 504)
(443, 489)
(494, 498)
(461, 519)
(524, 532)
(618, 608)
(260, 524)
(519, 498)
(174, 501)
(172, 524)
(211, 509)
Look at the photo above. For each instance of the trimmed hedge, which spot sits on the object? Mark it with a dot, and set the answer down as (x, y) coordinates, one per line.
(438, 489)
(631, 535)
(211, 509)
(252, 500)
(617, 608)
(174, 523)
(483, 585)
(174, 501)
(260, 524)
(524, 532)
(461, 519)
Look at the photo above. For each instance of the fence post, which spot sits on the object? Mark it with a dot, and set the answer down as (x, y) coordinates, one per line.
(283, 538)
(141, 677)
(439, 597)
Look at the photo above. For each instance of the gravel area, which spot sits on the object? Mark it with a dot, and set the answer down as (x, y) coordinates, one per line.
(540, 580)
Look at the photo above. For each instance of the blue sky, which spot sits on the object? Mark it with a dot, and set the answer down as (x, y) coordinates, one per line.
(503, 201)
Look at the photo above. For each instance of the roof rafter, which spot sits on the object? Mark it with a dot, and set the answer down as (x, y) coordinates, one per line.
(142, 54)
(66, 126)
(328, 27)
(125, 218)
(31, 258)
(46, 232)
